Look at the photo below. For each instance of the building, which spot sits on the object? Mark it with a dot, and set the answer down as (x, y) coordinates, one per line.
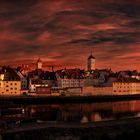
(34, 83)
(126, 88)
(40, 78)
(97, 91)
(69, 78)
(10, 83)
(91, 63)
(24, 83)
(43, 90)
(68, 83)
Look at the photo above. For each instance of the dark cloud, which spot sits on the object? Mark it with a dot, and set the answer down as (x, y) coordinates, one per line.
(62, 31)
(125, 9)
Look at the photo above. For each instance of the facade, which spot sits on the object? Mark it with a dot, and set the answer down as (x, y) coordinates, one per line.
(91, 82)
(124, 88)
(34, 83)
(43, 91)
(10, 83)
(10, 88)
(118, 88)
(97, 91)
(91, 63)
(39, 64)
(68, 83)
(24, 81)
(40, 78)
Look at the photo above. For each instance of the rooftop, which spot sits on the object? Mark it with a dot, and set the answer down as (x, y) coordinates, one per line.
(91, 57)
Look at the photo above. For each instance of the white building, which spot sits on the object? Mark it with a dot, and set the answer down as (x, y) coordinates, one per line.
(91, 63)
(124, 88)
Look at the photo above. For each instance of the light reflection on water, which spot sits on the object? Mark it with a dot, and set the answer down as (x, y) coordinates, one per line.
(80, 112)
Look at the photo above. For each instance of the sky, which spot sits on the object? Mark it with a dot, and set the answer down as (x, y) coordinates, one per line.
(65, 32)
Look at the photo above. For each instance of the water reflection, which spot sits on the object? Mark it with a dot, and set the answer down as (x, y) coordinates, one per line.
(82, 112)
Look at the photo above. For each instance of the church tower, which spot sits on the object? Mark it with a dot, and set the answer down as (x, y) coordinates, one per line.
(91, 63)
(39, 64)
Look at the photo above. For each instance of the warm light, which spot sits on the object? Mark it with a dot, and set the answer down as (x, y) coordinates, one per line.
(2, 77)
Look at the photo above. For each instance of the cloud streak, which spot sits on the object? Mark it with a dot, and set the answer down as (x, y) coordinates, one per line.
(64, 32)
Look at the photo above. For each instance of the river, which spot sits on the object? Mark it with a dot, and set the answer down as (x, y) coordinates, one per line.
(77, 112)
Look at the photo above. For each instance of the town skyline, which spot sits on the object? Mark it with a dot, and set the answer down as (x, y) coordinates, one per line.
(55, 67)
(64, 33)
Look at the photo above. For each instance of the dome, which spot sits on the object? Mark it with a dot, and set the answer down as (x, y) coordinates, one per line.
(91, 57)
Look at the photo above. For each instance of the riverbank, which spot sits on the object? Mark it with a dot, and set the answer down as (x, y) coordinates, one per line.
(65, 99)
(111, 130)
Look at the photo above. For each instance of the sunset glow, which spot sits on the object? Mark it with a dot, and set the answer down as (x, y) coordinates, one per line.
(63, 32)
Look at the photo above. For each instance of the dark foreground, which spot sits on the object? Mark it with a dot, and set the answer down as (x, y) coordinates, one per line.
(65, 99)
(111, 130)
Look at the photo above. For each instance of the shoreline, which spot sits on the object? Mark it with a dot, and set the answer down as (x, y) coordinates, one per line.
(65, 99)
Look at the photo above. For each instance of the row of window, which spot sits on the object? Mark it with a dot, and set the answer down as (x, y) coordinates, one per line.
(123, 83)
(11, 92)
(125, 90)
(121, 91)
(10, 84)
(11, 89)
(125, 87)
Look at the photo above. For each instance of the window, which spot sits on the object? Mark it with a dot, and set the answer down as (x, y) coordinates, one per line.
(15, 88)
